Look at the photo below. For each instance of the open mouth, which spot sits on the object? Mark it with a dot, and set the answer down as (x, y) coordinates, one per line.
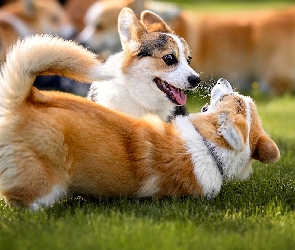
(175, 95)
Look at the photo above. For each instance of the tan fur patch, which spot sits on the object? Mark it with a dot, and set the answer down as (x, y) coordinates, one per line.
(154, 23)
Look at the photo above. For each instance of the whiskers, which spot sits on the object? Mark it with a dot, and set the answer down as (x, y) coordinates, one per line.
(204, 88)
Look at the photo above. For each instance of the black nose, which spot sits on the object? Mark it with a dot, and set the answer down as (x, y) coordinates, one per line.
(193, 81)
(72, 36)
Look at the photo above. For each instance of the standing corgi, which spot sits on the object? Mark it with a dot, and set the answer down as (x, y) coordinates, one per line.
(55, 145)
(151, 73)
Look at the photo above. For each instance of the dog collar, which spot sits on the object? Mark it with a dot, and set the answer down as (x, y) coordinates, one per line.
(217, 159)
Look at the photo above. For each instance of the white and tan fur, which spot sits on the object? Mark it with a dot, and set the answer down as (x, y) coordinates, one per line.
(142, 69)
(55, 145)
(23, 18)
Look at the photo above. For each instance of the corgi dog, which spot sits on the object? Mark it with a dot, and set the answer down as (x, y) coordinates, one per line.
(151, 73)
(55, 145)
(26, 17)
(76, 10)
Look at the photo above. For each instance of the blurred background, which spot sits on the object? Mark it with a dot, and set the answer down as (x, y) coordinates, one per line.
(250, 43)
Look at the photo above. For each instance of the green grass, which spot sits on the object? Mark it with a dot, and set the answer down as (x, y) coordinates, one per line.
(254, 214)
(230, 5)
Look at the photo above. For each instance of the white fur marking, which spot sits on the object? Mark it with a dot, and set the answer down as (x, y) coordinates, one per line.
(179, 77)
(205, 168)
(56, 193)
(149, 187)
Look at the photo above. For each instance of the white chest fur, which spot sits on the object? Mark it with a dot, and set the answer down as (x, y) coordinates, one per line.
(205, 167)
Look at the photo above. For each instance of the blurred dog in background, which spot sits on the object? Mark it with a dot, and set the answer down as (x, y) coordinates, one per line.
(22, 18)
(27, 17)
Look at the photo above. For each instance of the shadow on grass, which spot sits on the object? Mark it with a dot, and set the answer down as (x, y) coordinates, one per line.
(269, 192)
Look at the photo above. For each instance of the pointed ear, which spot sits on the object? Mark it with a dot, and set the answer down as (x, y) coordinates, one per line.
(154, 23)
(234, 131)
(266, 150)
(130, 30)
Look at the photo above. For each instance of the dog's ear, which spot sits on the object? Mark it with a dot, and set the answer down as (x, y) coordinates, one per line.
(154, 23)
(266, 150)
(29, 7)
(234, 131)
(130, 30)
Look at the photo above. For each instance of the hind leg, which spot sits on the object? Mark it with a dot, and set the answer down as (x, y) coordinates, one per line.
(57, 192)
(29, 182)
(18, 197)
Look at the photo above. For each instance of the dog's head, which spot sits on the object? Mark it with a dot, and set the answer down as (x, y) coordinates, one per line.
(46, 17)
(233, 132)
(100, 32)
(156, 61)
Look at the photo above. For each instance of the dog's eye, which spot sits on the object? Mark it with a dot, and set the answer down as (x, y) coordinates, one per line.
(189, 59)
(170, 59)
(99, 26)
(55, 18)
(205, 108)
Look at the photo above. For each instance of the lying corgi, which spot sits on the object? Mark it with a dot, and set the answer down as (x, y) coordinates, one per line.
(26, 17)
(151, 73)
(55, 145)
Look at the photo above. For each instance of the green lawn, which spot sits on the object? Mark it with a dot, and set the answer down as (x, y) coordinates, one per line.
(230, 5)
(255, 214)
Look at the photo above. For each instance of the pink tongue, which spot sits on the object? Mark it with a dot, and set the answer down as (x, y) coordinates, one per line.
(180, 97)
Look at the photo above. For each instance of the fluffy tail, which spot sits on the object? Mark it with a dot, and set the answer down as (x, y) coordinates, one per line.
(44, 55)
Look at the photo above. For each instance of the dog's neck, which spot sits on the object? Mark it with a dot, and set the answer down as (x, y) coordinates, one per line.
(205, 167)
(216, 157)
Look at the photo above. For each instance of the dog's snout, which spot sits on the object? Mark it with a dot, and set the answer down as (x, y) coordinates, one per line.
(194, 80)
(221, 80)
